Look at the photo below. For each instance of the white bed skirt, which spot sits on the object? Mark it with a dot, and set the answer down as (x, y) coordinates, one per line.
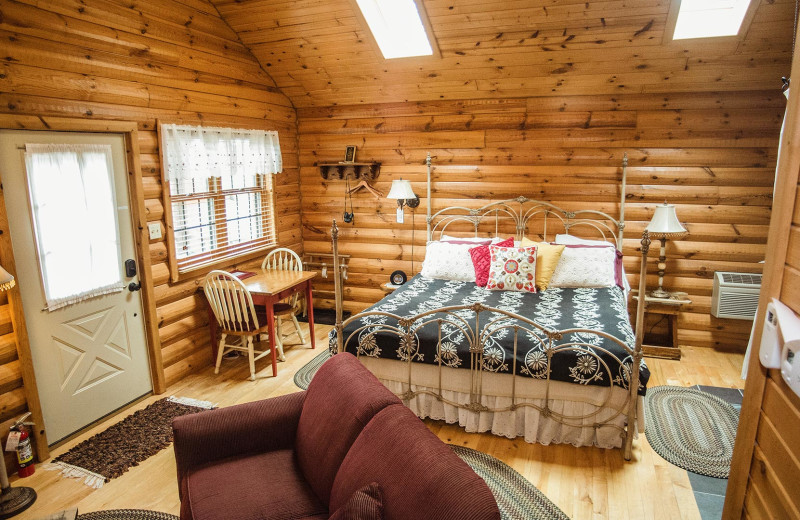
(527, 422)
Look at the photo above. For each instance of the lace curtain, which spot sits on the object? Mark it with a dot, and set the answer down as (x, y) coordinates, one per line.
(193, 154)
(75, 220)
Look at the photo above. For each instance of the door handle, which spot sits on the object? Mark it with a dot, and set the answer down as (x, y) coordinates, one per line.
(134, 286)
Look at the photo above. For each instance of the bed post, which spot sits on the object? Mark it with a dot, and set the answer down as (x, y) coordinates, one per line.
(637, 352)
(428, 202)
(337, 286)
(621, 226)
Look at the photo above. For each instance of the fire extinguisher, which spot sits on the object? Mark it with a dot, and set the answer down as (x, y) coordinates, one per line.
(24, 448)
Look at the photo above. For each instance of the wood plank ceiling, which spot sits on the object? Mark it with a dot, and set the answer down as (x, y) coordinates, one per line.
(319, 52)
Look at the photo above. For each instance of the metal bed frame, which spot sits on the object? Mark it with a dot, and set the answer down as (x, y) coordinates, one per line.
(469, 319)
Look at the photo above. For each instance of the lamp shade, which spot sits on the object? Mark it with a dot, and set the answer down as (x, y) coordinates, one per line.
(401, 190)
(665, 223)
(6, 280)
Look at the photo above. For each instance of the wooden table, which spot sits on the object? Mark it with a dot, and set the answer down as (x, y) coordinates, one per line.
(268, 288)
(663, 346)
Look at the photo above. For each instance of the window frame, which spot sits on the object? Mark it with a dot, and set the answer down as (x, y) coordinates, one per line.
(269, 196)
(672, 21)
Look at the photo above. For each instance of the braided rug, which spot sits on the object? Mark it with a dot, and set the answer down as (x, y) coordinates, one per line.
(692, 429)
(303, 377)
(126, 514)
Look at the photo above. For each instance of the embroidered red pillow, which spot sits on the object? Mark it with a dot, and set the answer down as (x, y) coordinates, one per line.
(481, 260)
(512, 269)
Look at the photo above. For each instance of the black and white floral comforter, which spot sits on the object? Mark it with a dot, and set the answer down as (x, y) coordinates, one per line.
(602, 309)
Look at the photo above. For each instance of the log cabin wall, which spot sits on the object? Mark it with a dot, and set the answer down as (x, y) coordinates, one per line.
(711, 154)
(169, 60)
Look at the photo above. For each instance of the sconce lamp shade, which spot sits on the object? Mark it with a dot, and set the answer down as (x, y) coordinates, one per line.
(401, 190)
(6, 280)
(665, 223)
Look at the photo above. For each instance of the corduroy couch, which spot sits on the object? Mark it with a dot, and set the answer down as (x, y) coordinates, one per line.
(304, 455)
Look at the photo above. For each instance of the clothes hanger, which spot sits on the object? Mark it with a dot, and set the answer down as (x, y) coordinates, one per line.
(365, 185)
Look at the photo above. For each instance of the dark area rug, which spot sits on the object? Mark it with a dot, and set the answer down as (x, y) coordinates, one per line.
(113, 451)
(517, 498)
(692, 429)
(324, 316)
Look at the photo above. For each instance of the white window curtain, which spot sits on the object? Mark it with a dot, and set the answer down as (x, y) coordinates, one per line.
(74, 212)
(194, 154)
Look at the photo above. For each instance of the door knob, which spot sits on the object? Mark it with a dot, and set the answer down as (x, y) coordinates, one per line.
(134, 286)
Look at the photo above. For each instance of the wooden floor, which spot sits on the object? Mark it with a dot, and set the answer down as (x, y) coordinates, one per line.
(584, 482)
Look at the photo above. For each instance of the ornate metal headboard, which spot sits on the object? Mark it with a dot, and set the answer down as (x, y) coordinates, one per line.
(520, 212)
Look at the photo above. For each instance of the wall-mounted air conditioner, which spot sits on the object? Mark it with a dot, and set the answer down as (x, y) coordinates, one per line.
(735, 295)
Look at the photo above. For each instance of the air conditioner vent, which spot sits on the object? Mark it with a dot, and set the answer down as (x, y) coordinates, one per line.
(735, 295)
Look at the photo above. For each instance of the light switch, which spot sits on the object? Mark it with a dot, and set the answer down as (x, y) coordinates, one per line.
(155, 230)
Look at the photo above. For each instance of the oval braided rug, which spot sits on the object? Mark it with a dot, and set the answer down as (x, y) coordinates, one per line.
(692, 429)
(126, 514)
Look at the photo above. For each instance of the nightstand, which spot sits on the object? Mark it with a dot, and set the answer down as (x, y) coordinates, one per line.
(662, 345)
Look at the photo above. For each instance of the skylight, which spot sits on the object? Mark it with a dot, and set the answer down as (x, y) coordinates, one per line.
(397, 27)
(709, 18)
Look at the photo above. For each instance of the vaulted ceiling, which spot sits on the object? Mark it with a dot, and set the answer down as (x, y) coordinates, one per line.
(320, 52)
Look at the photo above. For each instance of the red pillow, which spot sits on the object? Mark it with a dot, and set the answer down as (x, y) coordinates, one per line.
(481, 261)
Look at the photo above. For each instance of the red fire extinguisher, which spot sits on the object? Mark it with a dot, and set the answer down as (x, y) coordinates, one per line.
(24, 448)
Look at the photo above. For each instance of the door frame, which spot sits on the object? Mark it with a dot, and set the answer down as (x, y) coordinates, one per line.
(141, 237)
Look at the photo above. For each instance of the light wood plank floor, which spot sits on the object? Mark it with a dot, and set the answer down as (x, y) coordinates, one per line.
(586, 483)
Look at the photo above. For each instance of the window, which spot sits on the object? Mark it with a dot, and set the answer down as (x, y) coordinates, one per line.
(709, 18)
(71, 189)
(397, 27)
(220, 193)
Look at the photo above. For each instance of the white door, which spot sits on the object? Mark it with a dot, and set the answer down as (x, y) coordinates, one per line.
(66, 196)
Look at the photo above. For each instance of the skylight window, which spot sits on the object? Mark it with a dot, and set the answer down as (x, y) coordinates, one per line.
(709, 18)
(397, 27)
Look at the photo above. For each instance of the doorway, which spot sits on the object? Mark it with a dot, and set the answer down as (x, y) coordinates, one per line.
(72, 232)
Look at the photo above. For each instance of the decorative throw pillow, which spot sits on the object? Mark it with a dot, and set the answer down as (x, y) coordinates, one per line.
(512, 269)
(364, 504)
(447, 261)
(585, 266)
(481, 261)
(547, 258)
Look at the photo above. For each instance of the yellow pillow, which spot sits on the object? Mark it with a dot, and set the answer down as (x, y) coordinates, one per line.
(547, 257)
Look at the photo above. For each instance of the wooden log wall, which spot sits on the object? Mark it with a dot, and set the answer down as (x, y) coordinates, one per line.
(170, 60)
(711, 154)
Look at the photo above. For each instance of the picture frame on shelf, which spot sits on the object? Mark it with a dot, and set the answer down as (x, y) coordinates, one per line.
(350, 154)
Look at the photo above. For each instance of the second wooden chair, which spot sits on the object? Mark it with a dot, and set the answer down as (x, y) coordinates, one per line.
(287, 260)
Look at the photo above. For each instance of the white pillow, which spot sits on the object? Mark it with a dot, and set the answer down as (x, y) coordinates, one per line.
(447, 261)
(573, 240)
(585, 267)
(474, 240)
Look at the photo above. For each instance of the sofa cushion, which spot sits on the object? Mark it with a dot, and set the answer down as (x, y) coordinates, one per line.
(365, 504)
(419, 475)
(341, 400)
(251, 487)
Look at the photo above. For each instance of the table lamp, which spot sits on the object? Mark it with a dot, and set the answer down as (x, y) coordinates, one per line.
(13, 501)
(663, 225)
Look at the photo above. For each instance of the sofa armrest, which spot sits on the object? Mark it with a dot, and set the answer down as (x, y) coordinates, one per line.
(255, 427)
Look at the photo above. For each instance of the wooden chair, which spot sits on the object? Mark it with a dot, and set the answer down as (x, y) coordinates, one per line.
(285, 259)
(236, 316)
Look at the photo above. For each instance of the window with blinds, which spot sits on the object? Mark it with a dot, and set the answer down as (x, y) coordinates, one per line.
(221, 193)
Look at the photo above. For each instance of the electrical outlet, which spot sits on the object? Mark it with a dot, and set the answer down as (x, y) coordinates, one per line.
(155, 230)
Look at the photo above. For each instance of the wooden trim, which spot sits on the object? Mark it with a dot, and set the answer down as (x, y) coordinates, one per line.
(672, 21)
(167, 204)
(786, 181)
(21, 332)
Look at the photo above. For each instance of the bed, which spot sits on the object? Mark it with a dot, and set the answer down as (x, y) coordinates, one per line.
(562, 365)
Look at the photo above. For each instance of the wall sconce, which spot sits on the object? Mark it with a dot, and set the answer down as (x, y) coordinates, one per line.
(664, 224)
(403, 193)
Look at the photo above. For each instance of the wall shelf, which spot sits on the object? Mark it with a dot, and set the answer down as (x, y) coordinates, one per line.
(354, 171)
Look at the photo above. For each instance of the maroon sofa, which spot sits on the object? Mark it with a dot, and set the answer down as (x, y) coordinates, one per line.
(304, 455)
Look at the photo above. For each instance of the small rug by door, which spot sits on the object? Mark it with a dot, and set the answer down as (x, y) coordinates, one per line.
(126, 514)
(692, 429)
(303, 377)
(113, 451)
(517, 498)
